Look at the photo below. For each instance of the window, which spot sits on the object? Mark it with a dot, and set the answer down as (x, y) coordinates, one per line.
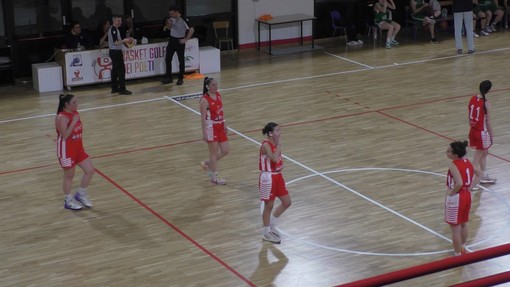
(203, 7)
(37, 16)
(90, 13)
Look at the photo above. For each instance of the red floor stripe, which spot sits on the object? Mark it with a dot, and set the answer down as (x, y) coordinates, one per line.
(175, 228)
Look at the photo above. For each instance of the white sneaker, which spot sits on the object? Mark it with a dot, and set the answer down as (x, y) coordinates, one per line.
(484, 33)
(216, 179)
(83, 198)
(493, 28)
(271, 237)
(72, 205)
(360, 42)
(488, 180)
(274, 230)
(475, 35)
(352, 43)
(488, 29)
(476, 187)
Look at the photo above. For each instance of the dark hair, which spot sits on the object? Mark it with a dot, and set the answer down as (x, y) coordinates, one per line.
(74, 23)
(207, 80)
(269, 128)
(63, 99)
(174, 8)
(485, 87)
(459, 148)
(116, 16)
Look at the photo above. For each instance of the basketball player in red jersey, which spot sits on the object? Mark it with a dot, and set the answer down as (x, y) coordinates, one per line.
(458, 197)
(481, 136)
(214, 129)
(70, 152)
(271, 182)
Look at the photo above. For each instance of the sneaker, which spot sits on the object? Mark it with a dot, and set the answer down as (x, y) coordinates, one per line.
(476, 35)
(388, 45)
(83, 199)
(471, 52)
(459, 51)
(394, 43)
(274, 230)
(352, 43)
(488, 29)
(464, 251)
(476, 187)
(180, 82)
(360, 42)
(218, 180)
(430, 20)
(488, 180)
(484, 33)
(493, 28)
(271, 237)
(166, 81)
(72, 205)
(125, 92)
(434, 41)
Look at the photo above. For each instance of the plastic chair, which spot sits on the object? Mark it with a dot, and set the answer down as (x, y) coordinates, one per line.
(221, 33)
(335, 18)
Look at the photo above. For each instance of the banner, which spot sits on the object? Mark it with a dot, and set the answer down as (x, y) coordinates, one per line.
(94, 66)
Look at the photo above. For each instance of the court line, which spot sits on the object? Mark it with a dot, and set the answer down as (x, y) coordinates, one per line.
(328, 179)
(271, 83)
(495, 194)
(349, 60)
(176, 229)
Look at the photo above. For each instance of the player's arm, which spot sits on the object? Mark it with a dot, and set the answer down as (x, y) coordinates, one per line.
(203, 114)
(457, 178)
(488, 116)
(273, 156)
(63, 126)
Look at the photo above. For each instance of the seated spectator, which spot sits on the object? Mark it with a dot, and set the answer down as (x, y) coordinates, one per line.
(102, 33)
(76, 39)
(490, 7)
(128, 29)
(503, 5)
(422, 11)
(478, 14)
(382, 20)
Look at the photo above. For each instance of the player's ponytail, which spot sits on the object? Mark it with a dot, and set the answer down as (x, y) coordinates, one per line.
(63, 99)
(207, 80)
(459, 148)
(269, 128)
(485, 87)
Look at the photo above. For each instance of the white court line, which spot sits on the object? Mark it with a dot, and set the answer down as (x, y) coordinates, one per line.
(276, 82)
(348, 60)
(83, 110)
(330, 179)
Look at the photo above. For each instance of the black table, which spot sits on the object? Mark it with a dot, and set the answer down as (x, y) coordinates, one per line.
(278, 20)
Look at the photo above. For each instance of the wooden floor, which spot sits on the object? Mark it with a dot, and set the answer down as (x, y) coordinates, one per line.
(364, 133)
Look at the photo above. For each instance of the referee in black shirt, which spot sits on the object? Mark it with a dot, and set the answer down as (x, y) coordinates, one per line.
(115, 43)
(180, 31)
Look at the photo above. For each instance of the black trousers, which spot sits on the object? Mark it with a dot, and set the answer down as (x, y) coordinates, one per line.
(118, 70)
(172, 47)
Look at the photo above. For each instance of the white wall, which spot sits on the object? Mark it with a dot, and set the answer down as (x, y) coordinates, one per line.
(249, 10)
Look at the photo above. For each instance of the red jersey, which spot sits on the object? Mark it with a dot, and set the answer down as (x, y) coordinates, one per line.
(73, 142)
(265, 164)
(215, 109)
(477, 113)
(466, 171)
